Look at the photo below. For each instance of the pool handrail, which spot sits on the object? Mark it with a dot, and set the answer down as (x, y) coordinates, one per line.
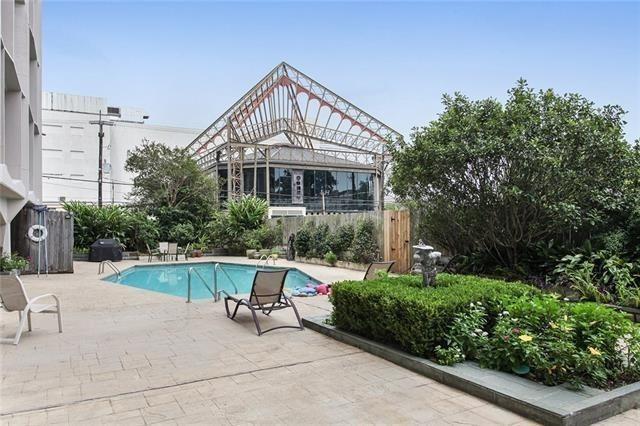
(193, 269)
(109, 263)
(266, 260)
(215, 292)
(215, 269)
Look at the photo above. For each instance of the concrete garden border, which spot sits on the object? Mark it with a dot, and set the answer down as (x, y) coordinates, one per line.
(553, 405)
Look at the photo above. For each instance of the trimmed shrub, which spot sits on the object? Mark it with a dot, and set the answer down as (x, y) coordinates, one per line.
(303, 239)
(400, 312)
(340, 241)
(364, 248)
(319, 241)
(330, 258)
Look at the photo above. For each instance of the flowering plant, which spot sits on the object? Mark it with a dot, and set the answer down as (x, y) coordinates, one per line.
(9, 262)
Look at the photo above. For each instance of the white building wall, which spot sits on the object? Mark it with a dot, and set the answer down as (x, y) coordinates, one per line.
(70, 148)
(20, 117)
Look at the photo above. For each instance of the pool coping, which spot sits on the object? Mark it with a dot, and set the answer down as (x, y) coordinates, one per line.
(554, 405)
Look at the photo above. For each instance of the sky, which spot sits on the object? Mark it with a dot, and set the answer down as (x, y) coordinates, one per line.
(185, 62)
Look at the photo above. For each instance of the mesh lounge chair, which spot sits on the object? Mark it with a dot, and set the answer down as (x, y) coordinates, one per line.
(172, 251)
(375, 267)
(153, 252)
(14, 298)
(267, 295)
(163, 247)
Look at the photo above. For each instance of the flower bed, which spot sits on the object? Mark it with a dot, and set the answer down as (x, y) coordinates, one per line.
(505, 326)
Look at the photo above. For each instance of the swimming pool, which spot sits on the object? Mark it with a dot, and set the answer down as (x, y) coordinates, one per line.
(172, 278)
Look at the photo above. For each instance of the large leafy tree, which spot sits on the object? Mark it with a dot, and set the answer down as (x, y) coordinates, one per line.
(170, 186)
(506, 183)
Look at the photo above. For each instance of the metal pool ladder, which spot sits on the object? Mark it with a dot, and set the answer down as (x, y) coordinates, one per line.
(110, 264)
(215, 292)
(266, 260)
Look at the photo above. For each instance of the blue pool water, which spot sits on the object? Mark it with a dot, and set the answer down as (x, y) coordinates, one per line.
(172, 278)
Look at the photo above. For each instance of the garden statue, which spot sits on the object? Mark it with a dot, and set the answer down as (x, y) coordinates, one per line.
(425, 260)
(291, 249)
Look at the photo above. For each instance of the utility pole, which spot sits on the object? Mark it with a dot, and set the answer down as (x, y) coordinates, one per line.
(100, 123)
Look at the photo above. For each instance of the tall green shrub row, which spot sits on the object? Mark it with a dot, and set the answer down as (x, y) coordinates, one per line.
(349, 243)
(131, 227)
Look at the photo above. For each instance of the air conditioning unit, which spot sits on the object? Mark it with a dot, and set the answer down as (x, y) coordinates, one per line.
(287, 211)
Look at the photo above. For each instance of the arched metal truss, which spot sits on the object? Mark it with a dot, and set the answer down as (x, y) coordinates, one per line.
(310, 116)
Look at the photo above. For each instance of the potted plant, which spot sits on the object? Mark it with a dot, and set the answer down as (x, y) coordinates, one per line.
(12, 264)
(200, 247)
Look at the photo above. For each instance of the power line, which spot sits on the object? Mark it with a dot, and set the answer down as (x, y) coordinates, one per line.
(113, 182)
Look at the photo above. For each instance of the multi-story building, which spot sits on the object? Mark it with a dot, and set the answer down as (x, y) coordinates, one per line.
(70, 147)
(20, 118)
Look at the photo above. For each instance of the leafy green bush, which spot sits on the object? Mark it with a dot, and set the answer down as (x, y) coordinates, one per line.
(247, 213)
(133, 228)
(364, 248)
(142, 230)
(506, 326)
(340, 241)
(601, 277)
(554, 342)
(330, 258)
(502, 182)
(219, 230)
(303, 243)
(401, 312)
(264, 237)
(319, 244)
(92, 222)
(183, 234)
(9, 262)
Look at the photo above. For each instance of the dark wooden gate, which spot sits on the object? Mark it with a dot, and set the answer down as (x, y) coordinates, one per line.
(59, 240)
(397, 236)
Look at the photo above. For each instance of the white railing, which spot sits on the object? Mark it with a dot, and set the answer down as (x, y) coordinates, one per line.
(110, 264)
(266, 260)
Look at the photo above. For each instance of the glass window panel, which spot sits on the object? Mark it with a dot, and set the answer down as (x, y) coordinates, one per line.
(309, 183)
(319, 182)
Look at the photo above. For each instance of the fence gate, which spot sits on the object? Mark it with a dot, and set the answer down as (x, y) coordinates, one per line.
(59, 242)
(397, 237)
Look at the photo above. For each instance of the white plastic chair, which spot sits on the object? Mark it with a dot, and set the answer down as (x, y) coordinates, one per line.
(14, 298)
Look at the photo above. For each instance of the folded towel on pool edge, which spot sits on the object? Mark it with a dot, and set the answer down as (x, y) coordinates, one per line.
(322, 289)
(304, 291)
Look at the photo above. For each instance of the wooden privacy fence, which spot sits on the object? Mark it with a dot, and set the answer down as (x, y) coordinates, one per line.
(59, 241)
(397, 239)
(393, 231)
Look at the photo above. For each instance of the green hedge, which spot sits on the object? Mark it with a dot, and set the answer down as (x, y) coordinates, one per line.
(400, 312)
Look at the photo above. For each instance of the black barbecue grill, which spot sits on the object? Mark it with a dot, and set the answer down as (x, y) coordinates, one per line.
(105, 249)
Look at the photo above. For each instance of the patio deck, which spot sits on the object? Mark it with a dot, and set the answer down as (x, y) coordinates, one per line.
(131, 356)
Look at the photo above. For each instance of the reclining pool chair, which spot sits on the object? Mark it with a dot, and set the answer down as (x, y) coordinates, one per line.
(375, 267)
(267, 295)
(14, 298)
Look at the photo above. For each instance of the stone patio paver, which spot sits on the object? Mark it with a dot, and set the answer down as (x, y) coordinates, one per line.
(132, 357)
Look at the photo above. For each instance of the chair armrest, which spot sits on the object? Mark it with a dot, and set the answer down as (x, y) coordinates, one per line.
(42, 296)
